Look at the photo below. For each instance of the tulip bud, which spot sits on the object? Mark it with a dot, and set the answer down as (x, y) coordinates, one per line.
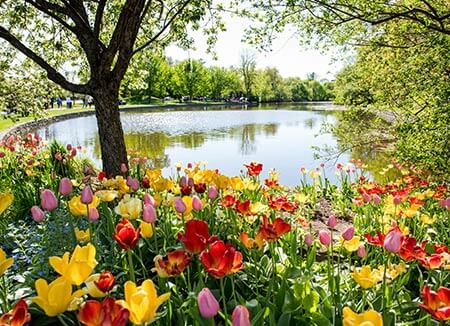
(149, 214)
(37, 214)
(190, 182)
(348, 233)
(207, 304)
(65, 187)
(179, 204)
(361, 251)
(240, 316)
(397, 200)
(149, 200)
(133, 183)
(48, 200)
(212, 192)
(73, 152)
(69, 147)
(196, 203)
(105, 282)
(93, 214)
(308, 239)
(325, 238)
(366, 197)
(183, 182)
(376, 199)
(145, 183)
(86, 195)
(332, 222)
(123, 168)
(393, 240)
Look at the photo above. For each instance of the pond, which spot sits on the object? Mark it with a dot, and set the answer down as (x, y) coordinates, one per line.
(279, 136)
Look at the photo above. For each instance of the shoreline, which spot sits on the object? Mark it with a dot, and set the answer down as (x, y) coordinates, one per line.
(25, 127)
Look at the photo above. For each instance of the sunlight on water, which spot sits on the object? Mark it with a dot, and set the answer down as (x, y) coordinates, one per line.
(280, 137)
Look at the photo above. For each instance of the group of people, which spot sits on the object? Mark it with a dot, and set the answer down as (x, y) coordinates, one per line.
(87, 102)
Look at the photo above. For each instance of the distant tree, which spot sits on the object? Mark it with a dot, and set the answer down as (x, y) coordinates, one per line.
(248, 69)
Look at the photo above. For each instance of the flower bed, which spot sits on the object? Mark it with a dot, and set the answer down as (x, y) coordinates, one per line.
(202, 248)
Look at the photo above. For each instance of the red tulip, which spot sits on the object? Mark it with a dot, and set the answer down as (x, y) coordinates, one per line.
(126, 235)
(221, 259)
(273, 231)
(108, 312)
(228, 201)
(207, 304)
(240, 316)
(105, 282)
(173, 264)
(254, 168)
(243, 207)
(196, 236)
(437, 304)
(200, 188)
(18, 316)
(48, 200)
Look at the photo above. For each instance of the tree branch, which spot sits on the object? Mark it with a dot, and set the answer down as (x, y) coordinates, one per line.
(99, 17)
(163, 29)
(52, 73)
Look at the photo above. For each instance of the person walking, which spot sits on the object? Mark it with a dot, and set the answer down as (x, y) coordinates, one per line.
(68, 102)
(58, 102)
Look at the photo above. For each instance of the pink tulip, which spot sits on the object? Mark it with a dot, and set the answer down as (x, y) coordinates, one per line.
(376, 199)
(361, 251)
(37, 214)
(86, 195)
(324, 238)
(65, 187)
(48, 200)
(367, 198)
(397, 200)
(149, 214)
(123, 168)
(212, 192)
(332, 222)
(133, 183)
(348, 233)
(93, 214)
(240, 316)
(179, 204)
(393, 240)
(149, 200)
(183, 182)
(308, 239)
(207, 304)
(196, 203)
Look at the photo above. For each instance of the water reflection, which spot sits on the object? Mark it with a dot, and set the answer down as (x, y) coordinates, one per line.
(279, 136)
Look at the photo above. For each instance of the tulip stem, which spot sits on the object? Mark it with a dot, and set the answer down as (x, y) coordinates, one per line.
(224, 302)
(384, 297)
(130, 266)
(60, 318)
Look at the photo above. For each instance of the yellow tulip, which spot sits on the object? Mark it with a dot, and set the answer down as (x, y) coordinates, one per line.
(188, 202)
(77, 208)
(56, 297)
(79, 267)
(129, 207)
(352, 244)
(366, 277)
(163, 184)
(236, 183)
(426, 219)
(5, 263)
(6, 200)
(393, 270)
(83, 236)
(153, 175)
(368, 318)
(107, 195)
(146, 229)
(142, 301)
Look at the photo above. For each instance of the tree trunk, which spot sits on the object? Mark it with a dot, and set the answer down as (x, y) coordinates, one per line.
(112, 142)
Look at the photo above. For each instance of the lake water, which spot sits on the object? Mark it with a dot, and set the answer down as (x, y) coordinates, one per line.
(280, 136)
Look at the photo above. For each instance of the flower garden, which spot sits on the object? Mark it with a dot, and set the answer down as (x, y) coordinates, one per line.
(200, 248)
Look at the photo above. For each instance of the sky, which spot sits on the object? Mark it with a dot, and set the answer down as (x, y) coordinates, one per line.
(291, 59)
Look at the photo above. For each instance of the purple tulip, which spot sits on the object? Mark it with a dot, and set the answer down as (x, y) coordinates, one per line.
(65, 187)
(179, 204)
(348, 233)
(183, 182)
(37, 214)
(324, 238)
(212, 192)
(149, 214)
(207, 304)
(48, 200)
(86, 195)
(393, 240)
(240, 316)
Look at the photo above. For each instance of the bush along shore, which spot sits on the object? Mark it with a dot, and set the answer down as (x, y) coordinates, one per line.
(80, 247)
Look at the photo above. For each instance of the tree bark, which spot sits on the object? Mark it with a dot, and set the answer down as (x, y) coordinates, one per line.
(112, 142)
